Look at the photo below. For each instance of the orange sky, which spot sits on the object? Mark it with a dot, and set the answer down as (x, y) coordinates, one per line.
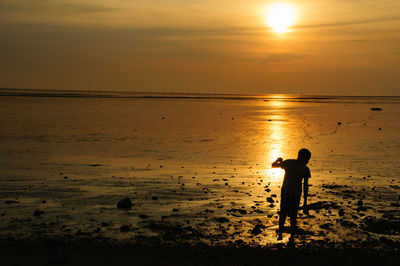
(348, 47)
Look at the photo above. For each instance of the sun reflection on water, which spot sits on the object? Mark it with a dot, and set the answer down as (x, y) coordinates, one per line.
(276, 131)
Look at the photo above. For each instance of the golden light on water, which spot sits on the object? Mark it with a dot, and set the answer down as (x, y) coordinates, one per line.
(275, 129)
(280, 17)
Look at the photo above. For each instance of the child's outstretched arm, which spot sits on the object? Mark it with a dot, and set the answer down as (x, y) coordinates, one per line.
(305, 194)
(277, 163)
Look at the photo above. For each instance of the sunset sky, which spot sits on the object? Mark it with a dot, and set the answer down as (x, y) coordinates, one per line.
(346, 47)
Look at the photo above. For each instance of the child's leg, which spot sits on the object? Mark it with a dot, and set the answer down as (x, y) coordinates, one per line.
(293, 217)
(284, 211)
(293, 224)
(282, 219)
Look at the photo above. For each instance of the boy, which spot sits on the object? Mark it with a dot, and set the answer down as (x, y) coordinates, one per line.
(295, 172)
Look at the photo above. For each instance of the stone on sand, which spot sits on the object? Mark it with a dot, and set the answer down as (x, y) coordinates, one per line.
(326, 226)
(10, 202)
(270, 200)
(124, 228)
(222, 220)
(38, 213)
(124, 204)
(257, 229)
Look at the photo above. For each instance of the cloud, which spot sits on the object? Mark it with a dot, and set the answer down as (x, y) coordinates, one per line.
(47, 6)
(349, 23)
(140, 31)
(282, 57)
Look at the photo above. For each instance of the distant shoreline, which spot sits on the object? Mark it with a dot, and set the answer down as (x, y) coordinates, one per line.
(8, 92)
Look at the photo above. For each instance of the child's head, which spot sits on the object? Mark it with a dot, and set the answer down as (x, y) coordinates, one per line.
(304, 156)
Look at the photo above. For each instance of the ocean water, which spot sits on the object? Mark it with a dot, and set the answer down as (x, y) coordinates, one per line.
(189, 159)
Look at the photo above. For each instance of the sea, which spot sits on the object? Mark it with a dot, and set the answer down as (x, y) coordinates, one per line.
(196, 167)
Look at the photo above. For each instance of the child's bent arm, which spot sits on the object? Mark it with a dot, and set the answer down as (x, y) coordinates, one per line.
(277, 163)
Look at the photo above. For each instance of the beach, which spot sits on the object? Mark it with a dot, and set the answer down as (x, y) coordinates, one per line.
(196, 169)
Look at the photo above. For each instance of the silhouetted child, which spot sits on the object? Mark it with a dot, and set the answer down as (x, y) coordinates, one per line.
(295, 172)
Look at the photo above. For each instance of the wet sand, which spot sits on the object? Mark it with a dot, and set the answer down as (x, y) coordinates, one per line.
(197, 170)
(101, 252)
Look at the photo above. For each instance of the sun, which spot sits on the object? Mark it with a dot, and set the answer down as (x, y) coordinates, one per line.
(280, 17)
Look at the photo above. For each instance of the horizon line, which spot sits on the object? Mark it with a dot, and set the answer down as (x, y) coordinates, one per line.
(81, 92)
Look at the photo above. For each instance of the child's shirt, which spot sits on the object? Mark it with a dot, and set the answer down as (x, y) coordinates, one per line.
(295, 171)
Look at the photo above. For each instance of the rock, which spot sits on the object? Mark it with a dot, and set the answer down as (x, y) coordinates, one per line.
(270, 200)
(361, 209)
(222, 220)
(380, 226)
(257, 229)
(143, 216)
(10, 202)
(38, 213)
(124, 204)
(333, 186)
(124, 228)
(347, 224)
(241, 211)
(239, 242)
(81, 233)
(326, 226)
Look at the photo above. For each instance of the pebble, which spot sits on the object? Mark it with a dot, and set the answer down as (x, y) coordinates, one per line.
(270, 200)
(124, 204)
(124, 228)
(38, 213)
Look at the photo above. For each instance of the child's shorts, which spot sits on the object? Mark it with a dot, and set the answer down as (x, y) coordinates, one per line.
(290, 202)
